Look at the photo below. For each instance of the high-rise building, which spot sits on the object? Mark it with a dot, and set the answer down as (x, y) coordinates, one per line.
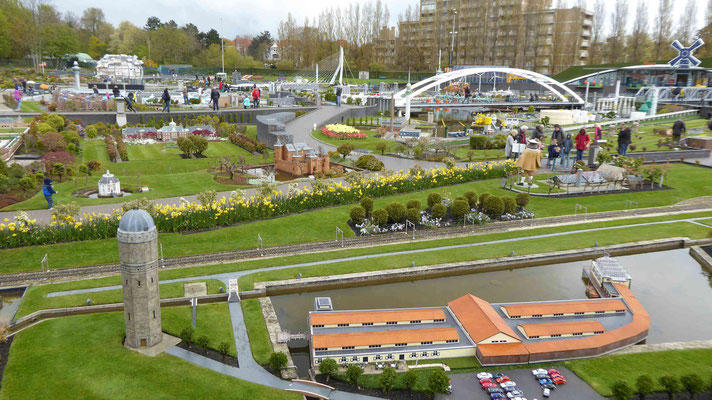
(525, 34)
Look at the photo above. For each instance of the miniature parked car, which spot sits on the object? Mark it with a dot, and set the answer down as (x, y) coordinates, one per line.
(553, 371)
(503, 378)
(558, 380)
(499, 375)
(547, 392)
(545, 381)
(497, 396)
(494, 390)
(549, 386)
(542, 376)
(508, 384)
(539, 371)
(511, 389)
(488, 385)
(515, 393)
(485, 375)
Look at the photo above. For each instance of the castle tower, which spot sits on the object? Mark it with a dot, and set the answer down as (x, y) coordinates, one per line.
(138, 255)
(278, 151)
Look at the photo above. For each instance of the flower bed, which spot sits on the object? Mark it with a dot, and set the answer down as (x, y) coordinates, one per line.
(247, 143)
(341, 131)
(238, 209)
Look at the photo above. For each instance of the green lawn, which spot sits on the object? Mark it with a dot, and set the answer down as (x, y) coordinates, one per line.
(688, 181)
(161, 168)
(36, 296)
(31, 106)
(368, 143)
(257, 331)
(212, 320)
(82, 357)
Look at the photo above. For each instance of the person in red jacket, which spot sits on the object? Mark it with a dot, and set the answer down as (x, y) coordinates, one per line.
(255, 96)
(582, 142)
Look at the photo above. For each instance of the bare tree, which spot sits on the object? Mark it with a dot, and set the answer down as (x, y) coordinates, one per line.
(663, 21)
(639, 39)
(616, 42)
(686, 27)
(599, 19)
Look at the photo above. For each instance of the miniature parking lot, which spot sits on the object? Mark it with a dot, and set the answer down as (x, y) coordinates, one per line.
(467, 387)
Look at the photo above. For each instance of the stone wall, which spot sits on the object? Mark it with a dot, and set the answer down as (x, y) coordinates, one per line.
(273, 329)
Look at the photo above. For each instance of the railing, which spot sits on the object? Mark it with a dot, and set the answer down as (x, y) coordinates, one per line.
(579, 208)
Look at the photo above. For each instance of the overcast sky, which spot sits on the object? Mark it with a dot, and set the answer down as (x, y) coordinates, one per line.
(240, 17)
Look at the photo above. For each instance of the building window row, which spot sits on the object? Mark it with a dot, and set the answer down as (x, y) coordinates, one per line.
(347, 347)
(342, 325)
(439, 320)
(597, 332)
(374, 346)
(452, 341)
(318, 326)
(417, 321)
(429, 342)
(320, 349)
(367, 324)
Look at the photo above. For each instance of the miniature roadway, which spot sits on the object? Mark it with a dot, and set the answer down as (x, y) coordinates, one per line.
(250, 370)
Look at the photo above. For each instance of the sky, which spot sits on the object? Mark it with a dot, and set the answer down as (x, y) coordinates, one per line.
(249, 17)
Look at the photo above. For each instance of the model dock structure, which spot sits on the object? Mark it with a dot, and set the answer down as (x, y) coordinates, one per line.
(497, 334)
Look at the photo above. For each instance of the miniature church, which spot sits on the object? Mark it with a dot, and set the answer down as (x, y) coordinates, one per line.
(109, 185)
(298, 159)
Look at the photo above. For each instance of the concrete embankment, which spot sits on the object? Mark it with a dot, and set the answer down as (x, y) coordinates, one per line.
(702, 257)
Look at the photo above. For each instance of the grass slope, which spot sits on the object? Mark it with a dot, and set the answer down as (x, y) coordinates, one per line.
(212, 320)
(257, 331)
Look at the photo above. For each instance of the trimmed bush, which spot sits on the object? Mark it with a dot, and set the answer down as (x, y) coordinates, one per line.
(439, 211)
(396, 212)
(369, 162)
(413, 204)
(523, 200)
(483, 198)
(479, 142)
(367, 204)
(510, 205)
(460, 208)
(493, 206)
(357, 214)
(471, 198)
(412, 215)
(434, 198)
(380, 216)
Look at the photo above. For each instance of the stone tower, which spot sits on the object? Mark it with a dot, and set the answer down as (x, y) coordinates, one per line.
(138, 254)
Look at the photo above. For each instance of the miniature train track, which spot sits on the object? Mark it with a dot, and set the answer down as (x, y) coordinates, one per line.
(694, 205)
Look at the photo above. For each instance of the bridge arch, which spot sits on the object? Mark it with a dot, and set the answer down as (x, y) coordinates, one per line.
(403, 98)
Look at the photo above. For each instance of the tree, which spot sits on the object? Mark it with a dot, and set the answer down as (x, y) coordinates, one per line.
(203, 342)
(152, 24)
(410, 379)
(199, 144)
(381, 146)
(223, 349)
(345, 149)
(693, 384)
(438, 382)
(353, 372)
(621, 390)
(259, 46)
(53, 141)
(186, 335)
(5, 36)
(670, 384)
(97, 48)
(639, 39)
(185, 145)
(644, 386)
(686, 27)
(663, 22)
(599, 15)
(92, 20)
(387, 379)
(84, 170)
(27, 183)
(277, 361)
(329, 368)
(58, 169)
(208, 38)
(619, 17)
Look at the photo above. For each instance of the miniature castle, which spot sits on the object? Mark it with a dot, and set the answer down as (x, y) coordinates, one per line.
(299, 159)
(109, 185)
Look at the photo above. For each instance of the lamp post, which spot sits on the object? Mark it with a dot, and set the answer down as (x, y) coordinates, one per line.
(453, 33)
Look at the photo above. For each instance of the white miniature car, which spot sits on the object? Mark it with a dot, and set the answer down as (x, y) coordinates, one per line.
(539, 372)
(508, 384)
(547, 392)
(486, 375)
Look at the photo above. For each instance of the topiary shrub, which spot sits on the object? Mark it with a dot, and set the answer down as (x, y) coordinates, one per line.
(412, 215)
(434, 198)
(413, 204)
(522, 200)
(438, 211)
(379, 216)
(479, 142)
(471, 198)
(396, 212)
(357, 214)
(369, 162)
(483, 197)
(367, 204)
(460, 208)
(510, 205)
(493, 206)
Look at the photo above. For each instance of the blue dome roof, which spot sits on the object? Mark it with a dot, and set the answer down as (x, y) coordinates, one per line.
(136, 221)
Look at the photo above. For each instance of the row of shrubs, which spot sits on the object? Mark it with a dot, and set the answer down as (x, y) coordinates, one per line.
(247, 143)
(493, 206)
(480, 142)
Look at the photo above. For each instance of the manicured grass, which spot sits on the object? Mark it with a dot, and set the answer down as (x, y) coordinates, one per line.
(212, 320)
(82, 357)
(36, 296)
(602, 372)
(31, 106)
(368, 143)
(256, 331)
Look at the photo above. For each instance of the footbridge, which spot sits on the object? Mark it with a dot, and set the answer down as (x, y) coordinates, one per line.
(405, 97)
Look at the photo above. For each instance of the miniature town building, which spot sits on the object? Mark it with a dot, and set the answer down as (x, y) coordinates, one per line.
(171, 132)
(109, 185)
(138, 256)
(299, 159)
(120, 68)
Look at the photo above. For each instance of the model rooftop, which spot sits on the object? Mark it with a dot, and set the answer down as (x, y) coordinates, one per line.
(390, 317)
(607, 267)
(573, 328)
(563, 308)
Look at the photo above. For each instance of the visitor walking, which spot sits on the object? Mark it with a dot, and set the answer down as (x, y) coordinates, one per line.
(18, 98)
(558, 136)
(468, 94)
(166, 97)
(678, 128)
(509, 147)
(624, 139)
(530, 160)
(255, 96)
(48, 191)
(566, 148)
(246, 102)
(597, 132)
(338, 96)
(185, 95)
(116, 92)
(95, 90)
(129, 102)
(23, 82)
(554, 151)
(582, 143)
(214, 97)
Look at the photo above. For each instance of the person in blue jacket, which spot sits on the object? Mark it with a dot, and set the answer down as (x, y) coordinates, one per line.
(47, 191)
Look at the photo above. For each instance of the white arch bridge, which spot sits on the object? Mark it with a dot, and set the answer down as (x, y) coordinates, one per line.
(404, 98)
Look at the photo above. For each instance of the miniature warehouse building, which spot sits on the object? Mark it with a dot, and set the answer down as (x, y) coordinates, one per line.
(299, 159)
(504, 333)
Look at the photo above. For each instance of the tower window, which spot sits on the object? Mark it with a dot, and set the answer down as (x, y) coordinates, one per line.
(154, 314)
(151, 279)
(127, 281)
(129, 316)
(139, 283)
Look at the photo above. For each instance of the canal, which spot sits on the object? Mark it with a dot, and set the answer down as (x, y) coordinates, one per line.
(675, 290)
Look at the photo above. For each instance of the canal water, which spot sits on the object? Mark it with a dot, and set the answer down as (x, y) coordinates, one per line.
(675, 290)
